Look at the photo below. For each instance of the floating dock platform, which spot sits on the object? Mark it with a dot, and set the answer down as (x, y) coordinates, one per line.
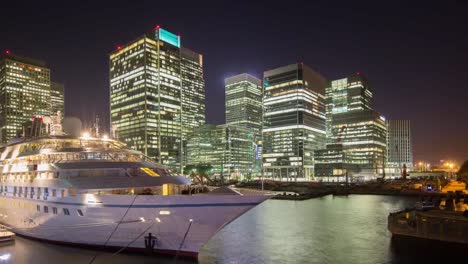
(434, 224)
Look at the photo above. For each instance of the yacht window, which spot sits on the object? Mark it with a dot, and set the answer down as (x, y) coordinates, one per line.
(65, 211)
(14, 190)
(54, 210)
(38, 208)
(63, 193)
(46, 209)
(80, 213)
(54, 192)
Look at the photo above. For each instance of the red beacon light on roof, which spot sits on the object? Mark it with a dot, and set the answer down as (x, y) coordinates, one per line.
(7, 51)
(358, 73)
(119, 47)
(157, 27)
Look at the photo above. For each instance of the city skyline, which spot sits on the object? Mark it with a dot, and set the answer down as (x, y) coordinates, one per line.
(404, 81)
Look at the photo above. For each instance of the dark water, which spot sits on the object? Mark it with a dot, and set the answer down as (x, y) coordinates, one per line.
(331, 229)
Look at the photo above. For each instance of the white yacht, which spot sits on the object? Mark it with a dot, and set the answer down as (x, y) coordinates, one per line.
(99, 193)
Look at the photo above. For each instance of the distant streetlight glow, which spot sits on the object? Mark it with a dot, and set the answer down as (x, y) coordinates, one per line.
(86, 135)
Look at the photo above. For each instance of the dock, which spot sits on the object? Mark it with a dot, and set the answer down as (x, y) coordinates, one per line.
(434, 224)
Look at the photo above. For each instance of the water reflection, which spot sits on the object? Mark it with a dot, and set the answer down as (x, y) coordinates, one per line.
(331, 229)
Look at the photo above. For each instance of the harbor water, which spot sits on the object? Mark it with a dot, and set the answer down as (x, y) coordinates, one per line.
(331, 229)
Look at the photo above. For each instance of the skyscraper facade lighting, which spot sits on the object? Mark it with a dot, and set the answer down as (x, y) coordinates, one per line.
(193, 94)
(229, 149)
(400, 151)
(294, 121)
(157, 95)
(244, 101)
(24, 92)
(57, 97)
(356, 134)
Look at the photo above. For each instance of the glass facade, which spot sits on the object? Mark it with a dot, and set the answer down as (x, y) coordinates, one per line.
(25, 91)
(193, 94)
(400, 151)
(229, 149)
(146, 82)
(356, 134)
(244, 101)
(57, 98)
(294, 121)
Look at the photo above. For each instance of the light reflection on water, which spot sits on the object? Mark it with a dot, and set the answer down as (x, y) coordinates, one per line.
(331, 229)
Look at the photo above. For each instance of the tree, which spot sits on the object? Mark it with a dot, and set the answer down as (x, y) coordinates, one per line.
(463, 172)
(204, 169)
(188, 169)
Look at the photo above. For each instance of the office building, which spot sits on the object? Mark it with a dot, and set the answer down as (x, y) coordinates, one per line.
(148, 107)
(294, 121)
(400, 152)
(356, 134)
(57, 98)
(193, 91)
(193, 94)
(24, 93)
(229, 149)
(244, 101)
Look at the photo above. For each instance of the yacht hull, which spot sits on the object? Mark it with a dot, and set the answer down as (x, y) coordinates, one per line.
(180, 225)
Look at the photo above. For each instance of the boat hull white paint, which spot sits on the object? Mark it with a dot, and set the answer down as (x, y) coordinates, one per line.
(168, 218)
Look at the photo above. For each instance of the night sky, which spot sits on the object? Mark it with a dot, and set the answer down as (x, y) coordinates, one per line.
(415, 55)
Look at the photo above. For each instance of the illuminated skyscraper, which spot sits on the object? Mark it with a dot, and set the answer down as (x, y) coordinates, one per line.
(148, 107)
(57, 98)
(24, 93)
(193, 90)
(244, 101)
(229, 149)
(356, 134)
(244, 108)
(294, 120)
(400, 151)
(193, 93)
(346, 95)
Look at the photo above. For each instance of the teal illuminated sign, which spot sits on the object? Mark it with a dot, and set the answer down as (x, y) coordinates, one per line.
(169, 37)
